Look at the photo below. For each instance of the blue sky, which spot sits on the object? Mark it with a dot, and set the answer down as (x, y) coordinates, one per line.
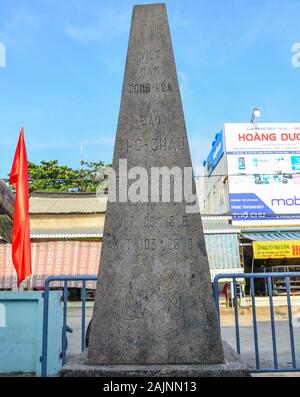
(65, 63)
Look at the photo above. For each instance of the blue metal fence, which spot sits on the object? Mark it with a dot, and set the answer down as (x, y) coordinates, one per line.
(64, 280)
(234, 277)
(268, 277)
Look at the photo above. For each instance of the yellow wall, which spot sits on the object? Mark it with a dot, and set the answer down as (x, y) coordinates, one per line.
(66, 221)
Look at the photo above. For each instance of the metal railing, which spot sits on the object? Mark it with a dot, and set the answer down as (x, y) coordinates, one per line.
(268, 277)
(65, 280)
(234, 277)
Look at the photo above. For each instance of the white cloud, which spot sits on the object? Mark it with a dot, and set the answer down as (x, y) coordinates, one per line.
(22, 17)
(101, 141)
(84, 34)
(17, 24)
(107, 25)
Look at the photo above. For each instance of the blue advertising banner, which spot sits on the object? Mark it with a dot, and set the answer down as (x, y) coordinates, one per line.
(264, 173)
(216, 153)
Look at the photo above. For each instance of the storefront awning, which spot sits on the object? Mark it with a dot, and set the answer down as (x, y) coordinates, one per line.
(272, 236)
(87, 232)
(223, 253)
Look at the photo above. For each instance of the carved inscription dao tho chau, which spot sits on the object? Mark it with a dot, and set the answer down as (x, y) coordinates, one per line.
(154, 301)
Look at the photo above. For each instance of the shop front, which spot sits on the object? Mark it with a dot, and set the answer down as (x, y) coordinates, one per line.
(222, 245)
(273, 251)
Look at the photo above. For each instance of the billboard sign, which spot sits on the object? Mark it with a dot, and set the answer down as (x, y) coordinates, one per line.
(216, 153)
(264, 173)
(276, 249)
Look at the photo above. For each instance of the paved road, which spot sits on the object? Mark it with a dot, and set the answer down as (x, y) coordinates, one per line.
(265, 343)
(228, 334)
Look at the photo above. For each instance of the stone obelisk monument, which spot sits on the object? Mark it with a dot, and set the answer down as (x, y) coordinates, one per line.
(154, 307)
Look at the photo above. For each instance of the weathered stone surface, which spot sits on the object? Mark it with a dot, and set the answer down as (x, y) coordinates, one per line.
(232, 367)
(154, 301)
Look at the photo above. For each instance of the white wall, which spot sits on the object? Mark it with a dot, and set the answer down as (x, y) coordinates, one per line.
(213, 192)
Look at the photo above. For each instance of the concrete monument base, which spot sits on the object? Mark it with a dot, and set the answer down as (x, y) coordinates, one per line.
(233, 367)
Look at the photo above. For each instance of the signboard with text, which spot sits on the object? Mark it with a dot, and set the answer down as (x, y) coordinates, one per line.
(276, 249)
(264, 173)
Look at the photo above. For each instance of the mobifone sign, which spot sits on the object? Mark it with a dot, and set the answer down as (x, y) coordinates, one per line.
(264, 172)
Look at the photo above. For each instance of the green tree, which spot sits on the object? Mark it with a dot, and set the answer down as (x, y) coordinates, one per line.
(49, 176)
(93, 175)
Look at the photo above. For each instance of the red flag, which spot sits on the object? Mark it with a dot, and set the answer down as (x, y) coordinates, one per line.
(21, 250)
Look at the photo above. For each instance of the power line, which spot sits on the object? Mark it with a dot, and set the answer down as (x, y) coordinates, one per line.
(284, 175)
(57, 179)
(245, 175)
(255, 216)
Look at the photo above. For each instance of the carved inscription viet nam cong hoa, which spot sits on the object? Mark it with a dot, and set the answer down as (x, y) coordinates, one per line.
(148, 63)
(147, 88)
(149, 68)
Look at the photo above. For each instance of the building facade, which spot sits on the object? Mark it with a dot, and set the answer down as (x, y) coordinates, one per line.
(66, 235)
(66, 239)
(252, 174)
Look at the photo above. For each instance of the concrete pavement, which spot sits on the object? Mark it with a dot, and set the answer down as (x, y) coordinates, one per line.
(228, 334)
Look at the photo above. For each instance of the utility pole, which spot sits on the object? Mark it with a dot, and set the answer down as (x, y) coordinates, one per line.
(81, 155)
(81, 165)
